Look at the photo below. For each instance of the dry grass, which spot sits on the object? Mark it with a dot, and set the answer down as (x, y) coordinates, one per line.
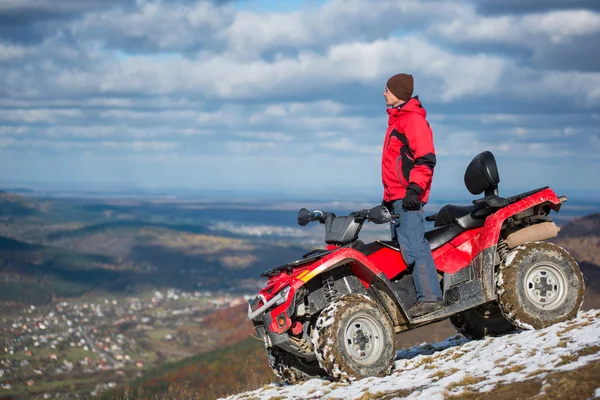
(371, 396)
(576, 384)
(175, 392)
(457, 355)
(444, 373)
(589, 350)
(379, 395)
(386, 395)
(572, 327)
(425, 360)
(514, 368)
(466, 381)
(567, 359)
(335, 385)
(536, 373)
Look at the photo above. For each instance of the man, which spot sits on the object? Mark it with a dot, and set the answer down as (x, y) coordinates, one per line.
(407, 169)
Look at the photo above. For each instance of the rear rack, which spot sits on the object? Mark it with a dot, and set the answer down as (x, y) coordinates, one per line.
(514, 199)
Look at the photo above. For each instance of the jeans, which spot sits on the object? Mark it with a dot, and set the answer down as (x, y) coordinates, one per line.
(409, 231)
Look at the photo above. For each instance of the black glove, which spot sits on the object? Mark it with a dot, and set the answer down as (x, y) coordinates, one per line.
(411, 201)
(389, 205)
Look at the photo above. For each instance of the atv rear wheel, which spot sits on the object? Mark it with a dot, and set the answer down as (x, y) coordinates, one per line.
(485, 320)
(539, 284)
(292, 369)
(353, 338)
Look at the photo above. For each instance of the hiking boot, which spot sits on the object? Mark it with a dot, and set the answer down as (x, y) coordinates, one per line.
(425, 307)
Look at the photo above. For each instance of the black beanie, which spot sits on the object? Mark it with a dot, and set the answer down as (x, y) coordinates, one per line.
(401, 86)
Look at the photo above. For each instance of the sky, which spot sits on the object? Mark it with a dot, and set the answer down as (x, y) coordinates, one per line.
(286, 97)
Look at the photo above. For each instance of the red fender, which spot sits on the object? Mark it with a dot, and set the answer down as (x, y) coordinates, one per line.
(490, 232)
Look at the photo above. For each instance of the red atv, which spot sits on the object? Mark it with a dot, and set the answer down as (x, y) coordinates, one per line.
(336, 311)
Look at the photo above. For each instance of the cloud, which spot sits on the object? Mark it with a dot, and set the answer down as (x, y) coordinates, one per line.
(519, 6)
(334, 22)
(250, 147)
(36, 116)
(225, 77)
(198, 84)
(31, 21)
(347, 145)
(10, 52)
(136, 146)
(553, 39)
(272, 136)
(555, 26)
(157, 26)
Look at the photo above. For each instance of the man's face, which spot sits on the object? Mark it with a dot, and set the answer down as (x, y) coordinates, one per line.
(390, 99)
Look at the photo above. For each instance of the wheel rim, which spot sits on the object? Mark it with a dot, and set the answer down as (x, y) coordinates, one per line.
(546, 286)
(363, 339)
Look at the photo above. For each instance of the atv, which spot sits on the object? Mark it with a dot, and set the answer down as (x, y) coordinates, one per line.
(336, 311)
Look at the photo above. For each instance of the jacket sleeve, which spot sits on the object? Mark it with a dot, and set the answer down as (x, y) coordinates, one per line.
(420, 141)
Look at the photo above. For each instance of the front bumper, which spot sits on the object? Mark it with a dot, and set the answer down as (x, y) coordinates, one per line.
(260, 310)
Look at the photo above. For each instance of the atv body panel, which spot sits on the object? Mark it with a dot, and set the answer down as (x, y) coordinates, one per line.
(467, 248)
(382, 261)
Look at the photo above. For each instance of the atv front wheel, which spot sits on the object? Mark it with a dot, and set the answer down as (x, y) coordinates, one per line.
(292, 369)
(482, 321)
(353, 338)
(539, 284)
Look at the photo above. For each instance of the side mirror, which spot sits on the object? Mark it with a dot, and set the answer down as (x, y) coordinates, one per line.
(379, 215)
(304, 217)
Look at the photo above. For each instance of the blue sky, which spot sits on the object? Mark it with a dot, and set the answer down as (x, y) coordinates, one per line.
(287, 96)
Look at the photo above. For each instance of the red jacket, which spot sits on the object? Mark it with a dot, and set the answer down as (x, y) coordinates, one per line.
(408, 154)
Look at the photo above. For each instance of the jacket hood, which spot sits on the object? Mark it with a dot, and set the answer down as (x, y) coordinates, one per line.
(413, 105)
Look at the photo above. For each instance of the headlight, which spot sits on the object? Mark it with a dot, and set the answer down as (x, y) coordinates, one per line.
(284, 295)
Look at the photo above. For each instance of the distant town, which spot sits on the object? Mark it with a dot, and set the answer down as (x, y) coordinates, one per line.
(97, 344)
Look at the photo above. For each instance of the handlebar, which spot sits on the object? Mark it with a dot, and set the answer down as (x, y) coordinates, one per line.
(305, 216)
(379, 215)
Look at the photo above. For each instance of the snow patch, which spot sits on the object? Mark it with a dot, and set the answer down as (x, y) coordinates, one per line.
(523, 325)
(434, 370)
(511, 256)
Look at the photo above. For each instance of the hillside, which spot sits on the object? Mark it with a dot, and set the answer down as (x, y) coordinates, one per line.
(118, 258)
(13, 205)
(234, 362)
(582, 227)
(66, 247)
(33, 274)
(581, 238)
(562, 361)
(183, 373)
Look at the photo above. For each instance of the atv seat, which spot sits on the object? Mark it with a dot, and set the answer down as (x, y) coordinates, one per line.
(437, 237)
(466, 217)
(452, 220)
(481, 176)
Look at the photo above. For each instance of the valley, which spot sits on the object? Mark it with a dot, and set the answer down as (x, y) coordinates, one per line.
(100, 294)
